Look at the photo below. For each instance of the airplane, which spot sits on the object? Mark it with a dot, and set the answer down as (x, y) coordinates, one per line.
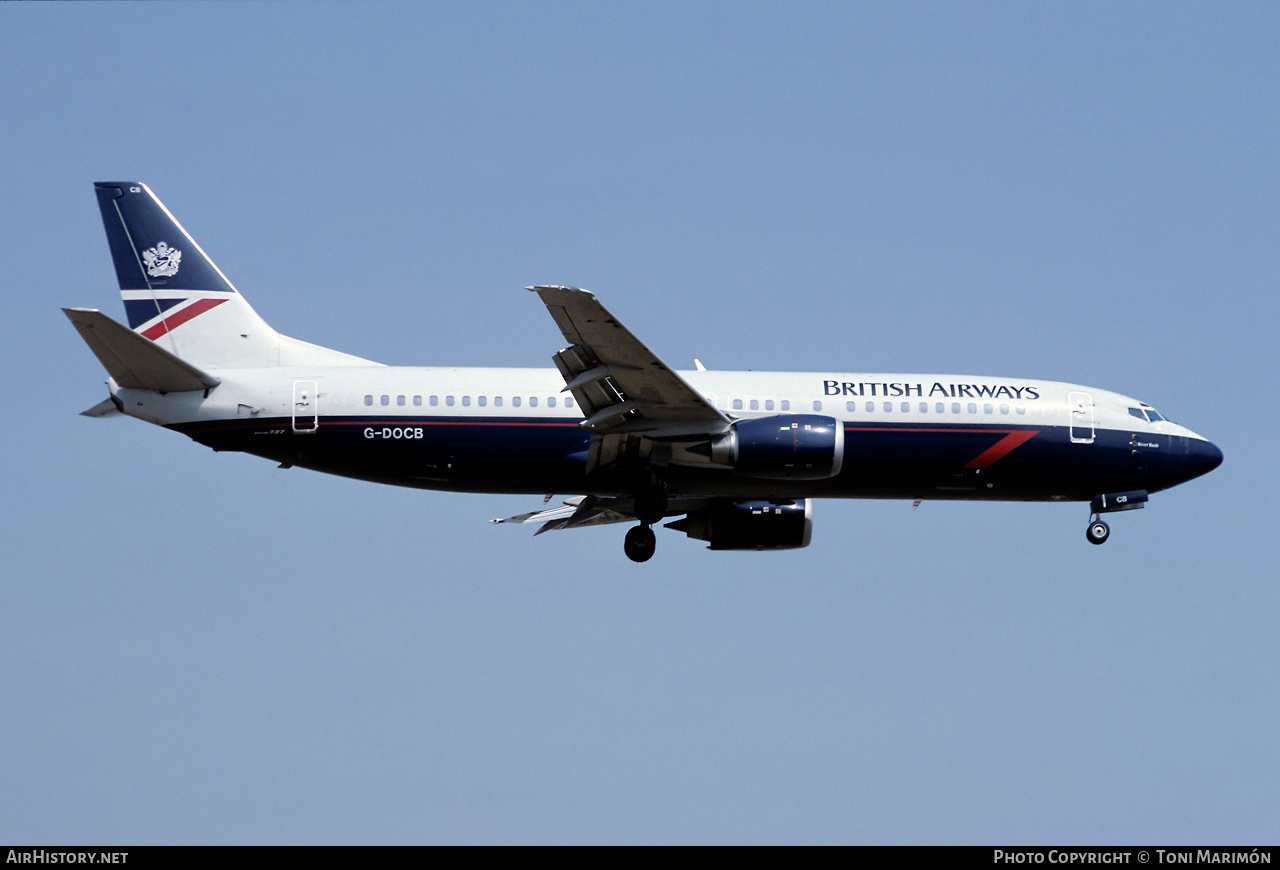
(733, 458)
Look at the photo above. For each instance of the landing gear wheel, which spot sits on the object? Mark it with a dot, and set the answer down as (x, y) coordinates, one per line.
(1098, 532)
(640, 544)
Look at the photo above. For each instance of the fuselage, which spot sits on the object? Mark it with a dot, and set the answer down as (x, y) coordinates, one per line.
(517, 431)
(738, 455)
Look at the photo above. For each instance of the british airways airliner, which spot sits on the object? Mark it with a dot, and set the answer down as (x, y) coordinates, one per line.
(734, 458)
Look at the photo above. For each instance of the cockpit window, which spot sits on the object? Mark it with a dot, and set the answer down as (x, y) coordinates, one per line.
(1146, 414)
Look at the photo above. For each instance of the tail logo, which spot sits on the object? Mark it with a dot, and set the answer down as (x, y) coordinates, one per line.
(162, 261)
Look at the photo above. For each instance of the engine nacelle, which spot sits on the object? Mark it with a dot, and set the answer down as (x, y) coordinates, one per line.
(785, 447)
(751, 525)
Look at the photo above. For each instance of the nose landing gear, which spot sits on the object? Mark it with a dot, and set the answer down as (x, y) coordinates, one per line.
(1098, 531)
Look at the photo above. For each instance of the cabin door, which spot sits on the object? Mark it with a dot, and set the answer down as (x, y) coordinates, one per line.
(1080, 407)
(305, 408)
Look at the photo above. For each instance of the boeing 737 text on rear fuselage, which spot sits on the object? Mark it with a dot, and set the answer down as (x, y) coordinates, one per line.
(734, 458)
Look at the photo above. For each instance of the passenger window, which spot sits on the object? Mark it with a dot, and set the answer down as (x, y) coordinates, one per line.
(755, 404)
(515, 401)
(940, 407)
(497, 401)
(737, 404)
(888, 407)
(568, 402)
(400, 400)
(533, 401)
(1021, 409)
(481, 401)
(385, 400)
(768, 405)
(955, 407)
(817, 406)
(786, 404)
(448, 400)
(434, 400)
(368, 400)
(1004, 409)
(417, 401)
(986, 408)
(466, 401)
(551, 402)
(924, 407)
(871, 406)
(851, 406)
(973, 407)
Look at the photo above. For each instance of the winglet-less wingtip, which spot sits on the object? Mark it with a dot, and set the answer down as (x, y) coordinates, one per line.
(558, 288)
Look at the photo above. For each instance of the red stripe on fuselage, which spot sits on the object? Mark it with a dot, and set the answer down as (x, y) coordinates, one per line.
(181, 316)
(1013, 439)
(1001, 448)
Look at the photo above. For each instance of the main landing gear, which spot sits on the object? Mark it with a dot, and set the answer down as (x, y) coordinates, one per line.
(650, 508)
(640, 543)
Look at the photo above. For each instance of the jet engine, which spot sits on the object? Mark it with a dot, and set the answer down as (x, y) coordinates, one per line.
(751, 525)
(785, 447)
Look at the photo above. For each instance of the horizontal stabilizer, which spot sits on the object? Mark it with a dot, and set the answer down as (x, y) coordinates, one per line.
(105, 408)
(135, 362)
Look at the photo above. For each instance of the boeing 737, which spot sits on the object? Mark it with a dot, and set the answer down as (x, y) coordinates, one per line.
(733, 458)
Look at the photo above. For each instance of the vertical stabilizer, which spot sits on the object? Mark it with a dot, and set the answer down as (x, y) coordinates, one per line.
(173, 293)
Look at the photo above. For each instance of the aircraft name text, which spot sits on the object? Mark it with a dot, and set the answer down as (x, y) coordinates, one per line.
(937, 389)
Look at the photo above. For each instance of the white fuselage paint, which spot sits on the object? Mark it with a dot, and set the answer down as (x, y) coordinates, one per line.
(342, 392)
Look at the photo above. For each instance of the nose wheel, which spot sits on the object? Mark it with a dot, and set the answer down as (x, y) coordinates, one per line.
(1109, 503)
(640, 543)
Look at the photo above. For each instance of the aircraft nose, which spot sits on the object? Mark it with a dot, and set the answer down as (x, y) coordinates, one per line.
(1202, 457)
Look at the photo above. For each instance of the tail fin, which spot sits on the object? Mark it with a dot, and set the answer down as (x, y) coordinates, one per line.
(173, 293)
(176, 296)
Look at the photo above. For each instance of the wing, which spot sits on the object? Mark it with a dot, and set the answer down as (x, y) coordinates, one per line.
(590, 510)
(634, 405)
(581, 510)
(621, 385)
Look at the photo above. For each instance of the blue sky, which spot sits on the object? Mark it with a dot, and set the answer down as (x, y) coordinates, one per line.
(201, 648)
